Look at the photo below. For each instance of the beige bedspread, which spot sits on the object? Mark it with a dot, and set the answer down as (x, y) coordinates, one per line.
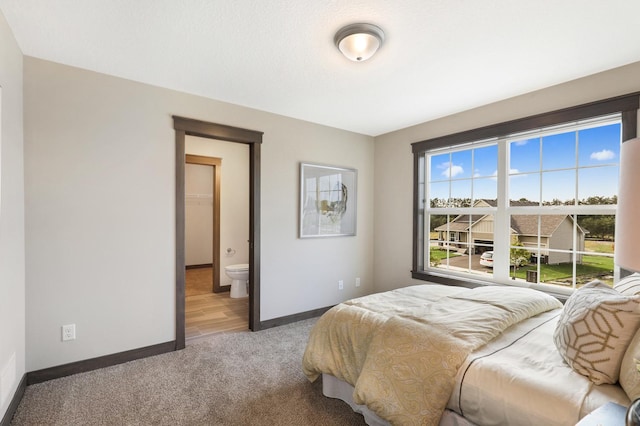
(401, 349)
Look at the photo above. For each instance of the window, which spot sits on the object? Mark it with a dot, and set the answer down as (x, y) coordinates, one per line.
(523, 203)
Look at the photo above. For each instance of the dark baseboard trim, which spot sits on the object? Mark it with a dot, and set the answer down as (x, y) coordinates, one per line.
(51, 373)
(15, 401)
(204, 265)
(275, 322)
(223, 289)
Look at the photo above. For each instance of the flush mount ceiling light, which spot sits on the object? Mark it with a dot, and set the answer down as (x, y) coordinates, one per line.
(359, 42)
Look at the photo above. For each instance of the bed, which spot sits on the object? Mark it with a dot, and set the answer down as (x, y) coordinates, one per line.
(433, 354)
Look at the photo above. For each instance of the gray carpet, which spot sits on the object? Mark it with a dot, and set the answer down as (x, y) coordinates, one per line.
(229, 379)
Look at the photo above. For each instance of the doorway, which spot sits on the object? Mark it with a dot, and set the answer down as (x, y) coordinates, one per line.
(183, 127)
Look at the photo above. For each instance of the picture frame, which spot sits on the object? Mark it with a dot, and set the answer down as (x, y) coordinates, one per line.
(328, 201)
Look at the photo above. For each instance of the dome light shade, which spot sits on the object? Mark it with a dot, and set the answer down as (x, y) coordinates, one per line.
(359, 42)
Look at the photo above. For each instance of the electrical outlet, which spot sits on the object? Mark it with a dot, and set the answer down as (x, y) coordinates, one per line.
(340, 285)
(358, 282)
(68, 332)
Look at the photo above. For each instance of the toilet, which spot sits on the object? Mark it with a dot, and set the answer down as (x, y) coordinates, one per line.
(239, 275)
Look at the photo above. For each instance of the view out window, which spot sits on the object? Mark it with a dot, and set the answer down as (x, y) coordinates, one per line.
(534, 207)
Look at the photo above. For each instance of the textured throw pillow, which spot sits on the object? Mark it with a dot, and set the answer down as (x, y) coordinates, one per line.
(629, 372)
(594, 330)
(629, 285)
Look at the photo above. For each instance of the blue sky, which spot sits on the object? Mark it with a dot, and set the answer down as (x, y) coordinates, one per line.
(597, 158)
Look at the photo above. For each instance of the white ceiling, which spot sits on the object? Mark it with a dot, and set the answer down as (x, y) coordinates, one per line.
(439, 56)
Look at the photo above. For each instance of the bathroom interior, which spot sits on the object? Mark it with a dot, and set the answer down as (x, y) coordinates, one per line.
(216, 237)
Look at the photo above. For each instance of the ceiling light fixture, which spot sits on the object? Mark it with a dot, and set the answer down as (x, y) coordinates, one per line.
(359, 42)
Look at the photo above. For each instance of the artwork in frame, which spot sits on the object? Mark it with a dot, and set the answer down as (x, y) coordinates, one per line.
(327, 201)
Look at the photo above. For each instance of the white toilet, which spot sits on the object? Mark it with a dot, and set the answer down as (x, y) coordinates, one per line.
(239, 275)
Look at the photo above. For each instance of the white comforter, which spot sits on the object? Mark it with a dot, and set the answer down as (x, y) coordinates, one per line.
(520, 379)
(402, 349)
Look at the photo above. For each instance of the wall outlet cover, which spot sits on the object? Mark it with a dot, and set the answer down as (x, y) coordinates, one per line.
(68, 332)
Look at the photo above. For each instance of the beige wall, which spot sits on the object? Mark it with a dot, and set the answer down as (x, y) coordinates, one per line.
(12, 279)
(99, 187)
(394, 161)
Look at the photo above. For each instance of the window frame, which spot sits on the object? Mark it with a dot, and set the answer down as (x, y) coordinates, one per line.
(626, 105)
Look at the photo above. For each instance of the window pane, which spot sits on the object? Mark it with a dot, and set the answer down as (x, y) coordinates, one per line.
(461, 164)
(437, 226)
(485, 161)
(599, 145)
(598, 185)
(439, 235)
(524, 188)
(556, 268)
(461, 193)
(525, 231)
(599, 232)
(559, 188)
(526, 247)
(559, 151)
(457, 242)
(439, 166)
(524, 156)
(592, 266)
(438, 194)
(481, 235)
(485, 189)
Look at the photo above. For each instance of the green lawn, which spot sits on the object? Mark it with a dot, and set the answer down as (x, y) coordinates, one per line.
(592, 267)
(439, 253)
(599, 246)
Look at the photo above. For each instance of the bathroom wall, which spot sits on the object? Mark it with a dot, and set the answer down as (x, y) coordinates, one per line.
(234, 198)
(100, 218)
(394, 160)
(12, 273)
(198, 246)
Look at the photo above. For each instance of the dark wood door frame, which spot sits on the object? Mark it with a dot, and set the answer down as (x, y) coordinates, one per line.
(186, 126)
(216, 163)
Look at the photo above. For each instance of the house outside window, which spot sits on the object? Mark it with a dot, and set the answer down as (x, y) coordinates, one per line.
(542, 199)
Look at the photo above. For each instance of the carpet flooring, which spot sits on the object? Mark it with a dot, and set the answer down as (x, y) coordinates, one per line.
(234, 379)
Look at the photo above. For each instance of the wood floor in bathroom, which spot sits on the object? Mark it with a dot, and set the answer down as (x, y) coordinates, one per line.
(209, 313)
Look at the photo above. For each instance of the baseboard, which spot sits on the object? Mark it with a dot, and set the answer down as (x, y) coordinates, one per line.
(223, 289)
(51, 373)
(204, 265)
(15, 401)
(275, 322)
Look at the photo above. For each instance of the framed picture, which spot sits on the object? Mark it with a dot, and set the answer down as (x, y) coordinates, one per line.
(327, 201)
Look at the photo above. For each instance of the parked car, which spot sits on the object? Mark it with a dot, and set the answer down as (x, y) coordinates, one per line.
(486, 259)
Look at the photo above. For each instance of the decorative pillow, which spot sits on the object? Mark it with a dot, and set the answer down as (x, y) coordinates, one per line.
(629, 285)
(594, 330)
(629, 370)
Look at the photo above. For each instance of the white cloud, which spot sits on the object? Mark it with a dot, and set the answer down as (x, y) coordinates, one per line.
(521, 143)
(603, 155)
(452, 170)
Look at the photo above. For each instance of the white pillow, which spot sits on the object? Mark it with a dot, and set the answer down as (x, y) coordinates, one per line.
(629, 285)
(629, 371)
(594, 330)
